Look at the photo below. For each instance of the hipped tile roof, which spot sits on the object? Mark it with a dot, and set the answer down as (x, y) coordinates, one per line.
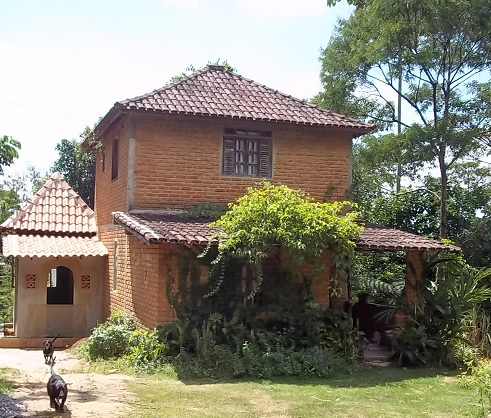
(49, 246)
(216, 92)
(56, 222)
(157, 227)
(55, 209)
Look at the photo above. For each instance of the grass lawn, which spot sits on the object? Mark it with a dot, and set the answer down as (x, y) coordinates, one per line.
(374, 392)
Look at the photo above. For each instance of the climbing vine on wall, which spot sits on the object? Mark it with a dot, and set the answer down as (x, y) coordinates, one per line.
(270, 215)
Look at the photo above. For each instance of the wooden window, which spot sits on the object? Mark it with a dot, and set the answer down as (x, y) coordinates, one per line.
(115, 160)
(247, 153)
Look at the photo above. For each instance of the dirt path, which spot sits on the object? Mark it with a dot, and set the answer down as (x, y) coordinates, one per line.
(89, 394)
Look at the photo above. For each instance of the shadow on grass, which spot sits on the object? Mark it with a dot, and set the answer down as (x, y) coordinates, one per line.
(362, 377)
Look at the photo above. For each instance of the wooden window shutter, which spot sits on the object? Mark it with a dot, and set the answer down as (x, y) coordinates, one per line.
(265, 159)
(228, 156)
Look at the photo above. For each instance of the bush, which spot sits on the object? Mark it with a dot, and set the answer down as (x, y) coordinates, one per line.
(253, 362)
(145, 351)
(111, 338)
(478, 377)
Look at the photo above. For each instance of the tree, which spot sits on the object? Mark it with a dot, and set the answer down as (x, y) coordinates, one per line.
(430, 53)
(9, 151)
(77, 166)
(9, 201)
(191, 69)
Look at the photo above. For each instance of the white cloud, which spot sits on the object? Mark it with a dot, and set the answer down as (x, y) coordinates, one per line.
(261, 9)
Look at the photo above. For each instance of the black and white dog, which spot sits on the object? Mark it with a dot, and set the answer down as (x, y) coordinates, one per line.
(48, 350)
(57, 389)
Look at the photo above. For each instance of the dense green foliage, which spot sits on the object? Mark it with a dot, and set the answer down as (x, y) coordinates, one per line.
(428, 54)
(270, 215)
(224, 349)
(110, 338)
(438, 328)
(77, 166)
(6, 292)
(9, 151)
(9, 202)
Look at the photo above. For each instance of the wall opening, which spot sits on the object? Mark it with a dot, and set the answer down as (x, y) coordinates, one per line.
(60, 286)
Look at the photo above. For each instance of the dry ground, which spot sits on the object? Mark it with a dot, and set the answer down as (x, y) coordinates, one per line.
(89, 394)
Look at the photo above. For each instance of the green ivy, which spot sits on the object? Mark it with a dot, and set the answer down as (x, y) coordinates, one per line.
(271, 215)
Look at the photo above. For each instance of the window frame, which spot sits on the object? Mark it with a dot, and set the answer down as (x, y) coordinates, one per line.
(115, 159)
(259, 157)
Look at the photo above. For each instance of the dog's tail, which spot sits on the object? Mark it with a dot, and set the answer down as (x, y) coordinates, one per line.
(54, 339)
(51, 366)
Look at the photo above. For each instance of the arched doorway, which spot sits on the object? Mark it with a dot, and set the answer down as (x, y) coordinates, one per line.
(60, 286)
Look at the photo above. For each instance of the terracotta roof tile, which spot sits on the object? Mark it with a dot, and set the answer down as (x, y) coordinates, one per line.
(55, 209)
(381, 238)
(49, 246)
(155, 227)
(214, 91)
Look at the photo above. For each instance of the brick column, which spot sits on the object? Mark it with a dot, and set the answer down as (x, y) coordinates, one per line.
(413, 288)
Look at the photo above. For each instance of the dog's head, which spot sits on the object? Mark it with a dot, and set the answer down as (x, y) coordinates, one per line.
(47, 345)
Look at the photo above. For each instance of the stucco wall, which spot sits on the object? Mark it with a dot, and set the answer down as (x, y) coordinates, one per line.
(34, 318)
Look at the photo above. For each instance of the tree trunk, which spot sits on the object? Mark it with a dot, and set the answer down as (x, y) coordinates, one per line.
(399, 130)
(443, 196)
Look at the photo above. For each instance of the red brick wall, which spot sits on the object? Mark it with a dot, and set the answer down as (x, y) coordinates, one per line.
(178, 161)
(141, 279)
(111, 195)
(144, 271)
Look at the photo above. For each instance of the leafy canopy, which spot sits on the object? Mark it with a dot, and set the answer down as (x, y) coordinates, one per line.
(77, 166)
(9, 151)
(269, 214)
(434, 56)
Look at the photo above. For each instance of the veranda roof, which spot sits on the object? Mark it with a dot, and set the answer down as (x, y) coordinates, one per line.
(156, 227)
(46, 246)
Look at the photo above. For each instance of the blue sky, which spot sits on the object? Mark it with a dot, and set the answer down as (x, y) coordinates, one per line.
(65, 63)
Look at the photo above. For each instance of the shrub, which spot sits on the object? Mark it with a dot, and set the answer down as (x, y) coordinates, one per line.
(478, 376)
(145, 351)
(253, 361)
(111, 338)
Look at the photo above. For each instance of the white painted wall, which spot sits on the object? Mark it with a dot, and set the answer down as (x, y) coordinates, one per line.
(34, 318)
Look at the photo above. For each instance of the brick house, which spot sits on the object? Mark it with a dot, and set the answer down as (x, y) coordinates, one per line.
(206, 138)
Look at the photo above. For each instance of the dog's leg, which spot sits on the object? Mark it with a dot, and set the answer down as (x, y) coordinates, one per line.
(62, 403)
